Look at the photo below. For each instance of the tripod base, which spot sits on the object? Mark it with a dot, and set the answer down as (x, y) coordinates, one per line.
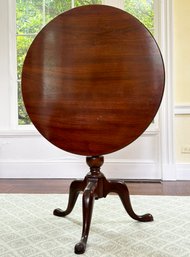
(96, 186)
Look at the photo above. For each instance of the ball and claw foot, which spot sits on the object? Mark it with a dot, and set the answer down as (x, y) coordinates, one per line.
(80, 248)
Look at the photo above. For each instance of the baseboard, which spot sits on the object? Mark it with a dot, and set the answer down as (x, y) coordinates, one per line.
(42, 169)
(140, 170)
(78, 169)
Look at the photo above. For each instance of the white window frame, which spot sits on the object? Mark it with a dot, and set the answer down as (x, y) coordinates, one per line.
(10, 114)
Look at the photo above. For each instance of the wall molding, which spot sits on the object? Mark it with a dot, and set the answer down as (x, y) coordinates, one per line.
(182, 109)
(72, 169)
(167, 107)
(32, 131)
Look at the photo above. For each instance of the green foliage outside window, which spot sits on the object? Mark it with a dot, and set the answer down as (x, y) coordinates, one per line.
(32, 15)
(142, 10)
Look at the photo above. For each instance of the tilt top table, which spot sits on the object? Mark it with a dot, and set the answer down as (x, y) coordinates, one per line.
(92, 82)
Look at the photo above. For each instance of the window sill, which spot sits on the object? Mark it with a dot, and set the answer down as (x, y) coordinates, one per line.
(20, 131)
(30, 130)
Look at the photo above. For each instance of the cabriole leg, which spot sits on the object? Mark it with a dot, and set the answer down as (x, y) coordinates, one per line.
(75, 188)
(88, 202)
(120, 188)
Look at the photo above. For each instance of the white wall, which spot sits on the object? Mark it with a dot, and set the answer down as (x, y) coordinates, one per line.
(33, 156)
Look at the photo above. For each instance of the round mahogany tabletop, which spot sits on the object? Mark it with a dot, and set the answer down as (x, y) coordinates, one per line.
(93, 80)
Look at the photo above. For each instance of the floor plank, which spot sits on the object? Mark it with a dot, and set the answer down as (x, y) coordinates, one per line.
(58, 186)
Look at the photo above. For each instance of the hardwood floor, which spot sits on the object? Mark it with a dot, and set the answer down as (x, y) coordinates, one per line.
(58, 186)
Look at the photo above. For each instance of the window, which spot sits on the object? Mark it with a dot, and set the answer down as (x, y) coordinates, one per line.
(142, 10)
(32, 15)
